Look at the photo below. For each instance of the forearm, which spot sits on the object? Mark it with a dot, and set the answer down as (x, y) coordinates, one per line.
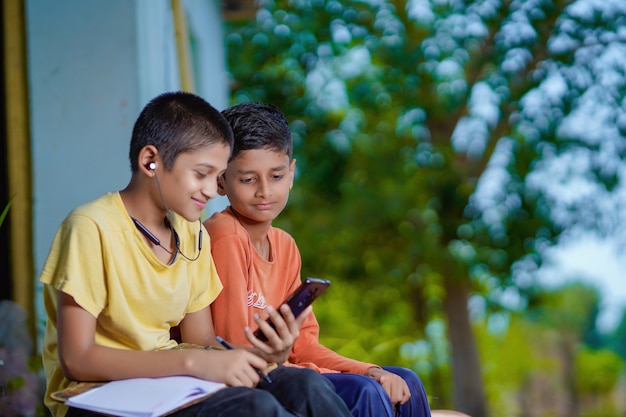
(326, 358)
(99, 363)
(233, 367)
(308, 349)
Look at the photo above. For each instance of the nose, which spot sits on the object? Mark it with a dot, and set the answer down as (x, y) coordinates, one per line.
(210, 189)
(263, 190)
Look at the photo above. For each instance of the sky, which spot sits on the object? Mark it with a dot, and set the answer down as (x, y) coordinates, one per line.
(595, 261)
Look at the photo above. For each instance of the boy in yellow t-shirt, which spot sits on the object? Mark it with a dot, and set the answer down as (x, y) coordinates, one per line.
(128, 266)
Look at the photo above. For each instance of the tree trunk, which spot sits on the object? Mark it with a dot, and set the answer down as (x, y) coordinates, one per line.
(567, 348)
(468, 390)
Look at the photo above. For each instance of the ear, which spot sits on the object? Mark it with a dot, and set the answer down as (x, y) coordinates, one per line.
(148, 154)
(292, 172)
(220, 185)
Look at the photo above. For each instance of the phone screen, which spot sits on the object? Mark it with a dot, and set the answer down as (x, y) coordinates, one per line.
(300, 299)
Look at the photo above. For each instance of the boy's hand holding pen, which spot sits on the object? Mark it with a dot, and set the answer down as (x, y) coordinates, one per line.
(230, 347)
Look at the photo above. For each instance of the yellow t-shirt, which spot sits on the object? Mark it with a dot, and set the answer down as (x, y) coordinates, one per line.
(100, 258)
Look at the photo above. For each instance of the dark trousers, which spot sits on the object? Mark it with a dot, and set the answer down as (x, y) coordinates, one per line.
(366, 398)
(293, 392)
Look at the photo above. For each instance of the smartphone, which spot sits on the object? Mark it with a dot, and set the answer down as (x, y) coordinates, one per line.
(301, 298)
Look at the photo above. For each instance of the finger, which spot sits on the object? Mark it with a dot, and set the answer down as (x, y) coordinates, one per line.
(295, 323)
(244, 359)
(406, 397)
(246, 379)
(401, 391)
(305, 313)
(393, 386)
(389, 390)
(398, 396)
(406, 393)
(264, 326)
(283, 339)
(267, 350)
(247, 374)
(252, 377)
(280, 321)
(258, 344)
(254, 360)
(286, 313)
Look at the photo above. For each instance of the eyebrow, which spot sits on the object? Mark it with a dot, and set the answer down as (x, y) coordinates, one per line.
(251, 171)
(205, 165)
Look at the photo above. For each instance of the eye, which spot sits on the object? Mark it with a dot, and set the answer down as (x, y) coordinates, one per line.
(277, 177)
(246, 180)
(201, 174)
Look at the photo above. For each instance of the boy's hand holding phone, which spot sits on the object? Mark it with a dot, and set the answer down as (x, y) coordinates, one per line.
(277, 333)
(280, 334)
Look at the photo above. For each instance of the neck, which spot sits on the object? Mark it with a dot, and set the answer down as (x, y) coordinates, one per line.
(141, 207)
(258, 233)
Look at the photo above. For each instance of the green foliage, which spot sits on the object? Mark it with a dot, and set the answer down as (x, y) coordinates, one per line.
(572, 308)
(5, 211)
(510, 363)
(344, 314)
(617, 341)
(597, 371)
(526, 363)
(393, 143)
(597, 378)
(15, 384)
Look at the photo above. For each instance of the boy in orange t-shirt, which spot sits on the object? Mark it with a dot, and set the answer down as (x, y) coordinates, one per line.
(259, 265)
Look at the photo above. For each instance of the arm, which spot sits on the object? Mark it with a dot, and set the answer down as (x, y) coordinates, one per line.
(83, 360)
(307, 349)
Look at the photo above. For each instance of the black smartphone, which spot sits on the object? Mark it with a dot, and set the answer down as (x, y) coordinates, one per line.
(301, 298)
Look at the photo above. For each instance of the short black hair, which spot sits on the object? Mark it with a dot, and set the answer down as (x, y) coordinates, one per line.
(177, 122)
(259, 126)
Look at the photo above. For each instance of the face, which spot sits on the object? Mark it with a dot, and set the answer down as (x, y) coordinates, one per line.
(257, 184)
(192, 181)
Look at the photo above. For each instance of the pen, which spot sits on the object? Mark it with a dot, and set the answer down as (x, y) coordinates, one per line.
(229, 347)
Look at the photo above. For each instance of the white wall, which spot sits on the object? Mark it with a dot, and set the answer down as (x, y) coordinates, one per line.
(93, 65)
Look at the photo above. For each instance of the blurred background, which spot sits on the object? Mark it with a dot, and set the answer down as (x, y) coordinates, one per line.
(460, 174)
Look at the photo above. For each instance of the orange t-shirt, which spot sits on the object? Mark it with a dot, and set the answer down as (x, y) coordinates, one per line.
(251, 283)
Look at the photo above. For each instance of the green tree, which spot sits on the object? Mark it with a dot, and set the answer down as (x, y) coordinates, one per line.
(572, 311)
(617, 340)
(424, 132)
(597, 374)
(559, 373)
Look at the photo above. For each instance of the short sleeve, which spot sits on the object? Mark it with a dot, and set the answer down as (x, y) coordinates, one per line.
(75, 264)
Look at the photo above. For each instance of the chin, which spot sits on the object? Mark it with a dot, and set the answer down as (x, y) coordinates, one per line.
(190, 217)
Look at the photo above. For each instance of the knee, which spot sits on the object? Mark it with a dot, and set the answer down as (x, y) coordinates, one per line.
(404, 373)
(262, 402)
(408, 375)
(369, 387)
(313, 381)
(367, 397)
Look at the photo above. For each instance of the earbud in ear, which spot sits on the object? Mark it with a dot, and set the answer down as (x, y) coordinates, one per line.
(151, 166)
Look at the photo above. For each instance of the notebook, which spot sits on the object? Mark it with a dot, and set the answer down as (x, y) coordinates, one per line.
(144, 397)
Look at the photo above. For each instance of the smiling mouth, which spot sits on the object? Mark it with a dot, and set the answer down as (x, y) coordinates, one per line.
(201, 204)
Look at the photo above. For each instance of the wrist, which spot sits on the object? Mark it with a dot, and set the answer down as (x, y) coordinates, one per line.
(193, 357)
(372, 371)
